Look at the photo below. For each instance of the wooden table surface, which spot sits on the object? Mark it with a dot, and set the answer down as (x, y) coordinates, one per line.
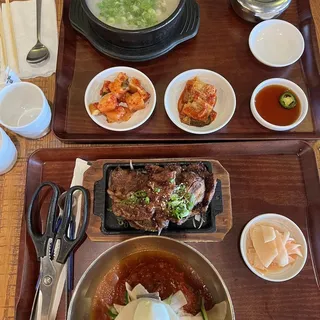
(12, 189)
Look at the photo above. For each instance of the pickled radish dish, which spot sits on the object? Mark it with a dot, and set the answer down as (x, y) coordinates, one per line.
(270, 249)
(132, 14)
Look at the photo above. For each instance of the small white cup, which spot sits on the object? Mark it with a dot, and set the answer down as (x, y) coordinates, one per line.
(24, 110)
(8, 153)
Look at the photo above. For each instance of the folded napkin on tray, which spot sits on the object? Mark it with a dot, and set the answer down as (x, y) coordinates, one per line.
(25, 32)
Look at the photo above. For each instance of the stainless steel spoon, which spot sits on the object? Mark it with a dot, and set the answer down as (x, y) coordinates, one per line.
(39, 52)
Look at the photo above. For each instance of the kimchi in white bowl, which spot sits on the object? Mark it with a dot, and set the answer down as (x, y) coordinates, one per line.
(221, 106)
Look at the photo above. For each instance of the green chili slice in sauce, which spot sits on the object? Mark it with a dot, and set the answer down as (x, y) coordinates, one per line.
(288, 100)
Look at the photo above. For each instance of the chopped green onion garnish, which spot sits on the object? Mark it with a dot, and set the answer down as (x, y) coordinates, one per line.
(140, 194)
(136, 198)
(203, 310)
(127, 298)
(181, 202)
(112, 313)
(131, 13)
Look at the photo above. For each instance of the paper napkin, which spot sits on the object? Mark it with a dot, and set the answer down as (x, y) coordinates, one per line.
(25, 30)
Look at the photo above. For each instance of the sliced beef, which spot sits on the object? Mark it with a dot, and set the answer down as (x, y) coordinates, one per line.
(210, 185)
(122, 182)
(133, 212)
(158, 184)
(146, 225)
(162, 180)
(198, 168)
(194, 185)
(150, 225)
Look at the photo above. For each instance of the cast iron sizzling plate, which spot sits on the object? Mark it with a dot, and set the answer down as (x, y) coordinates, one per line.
(189, 27)
(110, 223)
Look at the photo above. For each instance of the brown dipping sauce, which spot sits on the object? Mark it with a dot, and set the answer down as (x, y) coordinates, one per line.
(157, 272)
(270, 109)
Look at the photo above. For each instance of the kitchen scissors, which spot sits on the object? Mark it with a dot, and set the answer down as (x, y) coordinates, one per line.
(54, 245)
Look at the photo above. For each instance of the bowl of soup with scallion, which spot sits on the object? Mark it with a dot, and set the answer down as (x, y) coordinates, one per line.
(134, 23)
(132, 14)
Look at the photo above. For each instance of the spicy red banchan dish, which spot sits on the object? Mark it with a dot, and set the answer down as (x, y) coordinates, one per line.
(120, 98)
(161, 282)
(197, 102)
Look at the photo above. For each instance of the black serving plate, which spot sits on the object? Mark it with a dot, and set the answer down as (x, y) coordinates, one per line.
(188, 29)
(110, 224)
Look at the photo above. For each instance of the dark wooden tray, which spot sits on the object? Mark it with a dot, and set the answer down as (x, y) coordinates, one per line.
(221, 45)
(278, 176)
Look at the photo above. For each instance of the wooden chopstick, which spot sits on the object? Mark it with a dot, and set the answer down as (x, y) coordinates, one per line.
(12, 36)
(3, 42)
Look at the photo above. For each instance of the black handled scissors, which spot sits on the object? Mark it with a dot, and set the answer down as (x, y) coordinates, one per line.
(54, 246)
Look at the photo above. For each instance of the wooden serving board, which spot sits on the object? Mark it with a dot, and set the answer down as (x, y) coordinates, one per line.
(223, 220)
(274, 176)
(221, 46)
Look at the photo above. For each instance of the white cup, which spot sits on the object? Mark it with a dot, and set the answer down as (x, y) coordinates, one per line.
(24, 110)
(8, 153)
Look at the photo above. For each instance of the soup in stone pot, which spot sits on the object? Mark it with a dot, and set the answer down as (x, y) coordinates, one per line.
(132, 14)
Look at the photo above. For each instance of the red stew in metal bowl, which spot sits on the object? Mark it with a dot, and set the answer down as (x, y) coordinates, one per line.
(158, 272)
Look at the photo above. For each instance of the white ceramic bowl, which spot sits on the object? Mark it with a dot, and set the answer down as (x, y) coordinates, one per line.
(139, 117)
(282, 223)
(276, 43)
(290, 85)
(225, 106)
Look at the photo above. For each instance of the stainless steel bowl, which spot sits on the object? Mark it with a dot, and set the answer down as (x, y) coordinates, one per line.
(80, 306)
(259, 10)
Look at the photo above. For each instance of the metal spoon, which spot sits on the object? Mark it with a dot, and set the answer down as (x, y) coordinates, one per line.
(39, 52)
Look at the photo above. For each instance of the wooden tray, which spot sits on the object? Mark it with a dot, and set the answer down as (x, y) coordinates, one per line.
(221, 45)
(223, 221)
(278, 176)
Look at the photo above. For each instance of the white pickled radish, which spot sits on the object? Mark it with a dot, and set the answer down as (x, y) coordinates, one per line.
(178, 300)
(268, 233)
(118, 307)
(218, 312)
(128, 311)
(262, 251)
(265, 251)
(139, 289)
(257, 262)
(297, 251)
(291, 260)
(285, 237)
(290, 246)
(251, 253)
(282, 258)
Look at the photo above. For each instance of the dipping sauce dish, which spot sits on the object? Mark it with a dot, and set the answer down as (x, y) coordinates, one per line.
(266, 108)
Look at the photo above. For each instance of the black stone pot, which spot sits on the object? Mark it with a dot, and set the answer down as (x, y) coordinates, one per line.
(136, 38)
